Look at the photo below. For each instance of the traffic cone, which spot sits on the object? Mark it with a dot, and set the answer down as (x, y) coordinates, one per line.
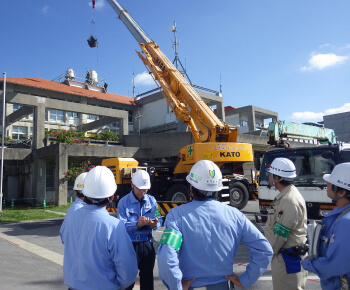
(44, 202)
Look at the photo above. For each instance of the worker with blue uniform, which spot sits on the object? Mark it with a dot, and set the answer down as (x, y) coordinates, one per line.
(98, 253)
(139, 212)
(79, 200)
(332, 264)
(201, 238)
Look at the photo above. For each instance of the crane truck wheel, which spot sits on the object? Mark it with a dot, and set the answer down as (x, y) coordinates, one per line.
(238, 195)
(178, 192)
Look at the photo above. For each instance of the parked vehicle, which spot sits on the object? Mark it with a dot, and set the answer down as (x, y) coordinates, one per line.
(311, 163)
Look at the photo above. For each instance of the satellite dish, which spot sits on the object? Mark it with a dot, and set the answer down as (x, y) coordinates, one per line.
(172, 28)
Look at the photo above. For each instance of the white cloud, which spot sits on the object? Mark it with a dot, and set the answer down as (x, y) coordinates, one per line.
(99, 4)
(312, 116)
(45, 9)
(321, 61)
(325, 45)
(342, 109)
(307, 116)
(144, 79)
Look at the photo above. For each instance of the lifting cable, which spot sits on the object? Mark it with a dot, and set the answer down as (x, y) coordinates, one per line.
(92, 40)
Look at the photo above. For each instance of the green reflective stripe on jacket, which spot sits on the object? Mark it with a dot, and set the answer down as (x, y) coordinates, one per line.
(156, 213)
(171, 238)
(281, 230)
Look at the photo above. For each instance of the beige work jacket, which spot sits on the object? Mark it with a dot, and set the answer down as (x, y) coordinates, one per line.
(288, 209)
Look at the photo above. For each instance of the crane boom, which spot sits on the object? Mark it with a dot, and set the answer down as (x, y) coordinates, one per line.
(185, 102)
(130, 23)
(285, 129)
(214, 140)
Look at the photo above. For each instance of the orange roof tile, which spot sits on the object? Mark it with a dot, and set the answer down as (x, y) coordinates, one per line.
(229, 108)
(59, 87)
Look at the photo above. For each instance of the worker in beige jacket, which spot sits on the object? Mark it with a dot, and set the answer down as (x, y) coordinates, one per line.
(286, 228)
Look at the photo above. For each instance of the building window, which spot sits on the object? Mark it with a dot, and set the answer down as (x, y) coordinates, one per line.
(16, 107)
(73, 115)
(130, 118)
(19, 133)
(73, 118)
(92, 117)
(56, 116)
(244, 123)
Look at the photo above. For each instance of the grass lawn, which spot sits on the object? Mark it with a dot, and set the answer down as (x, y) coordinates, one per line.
(10, 215)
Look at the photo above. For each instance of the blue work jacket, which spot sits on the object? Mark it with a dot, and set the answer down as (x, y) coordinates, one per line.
(78, 203)
(211, 233)
(334, 255)
(129, 211)
(98, 253)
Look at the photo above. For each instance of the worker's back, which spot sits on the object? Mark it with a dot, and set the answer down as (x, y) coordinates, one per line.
(211, 233)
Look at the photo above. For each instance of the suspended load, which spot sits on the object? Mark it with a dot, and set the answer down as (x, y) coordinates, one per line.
(92, 41)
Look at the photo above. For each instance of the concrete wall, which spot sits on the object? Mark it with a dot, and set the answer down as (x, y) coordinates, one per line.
(233, 120)
(340, 123)
(156, 118)
(160, 145)
(252, 116)
(153, 114)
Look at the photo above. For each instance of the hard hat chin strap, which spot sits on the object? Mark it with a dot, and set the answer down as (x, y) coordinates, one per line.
(336, 198)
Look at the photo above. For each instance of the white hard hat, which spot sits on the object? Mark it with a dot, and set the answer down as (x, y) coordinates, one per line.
(205, 175)
(99, 183)
(79, 181)
(141, 179)
(283, 167)
(340, 176)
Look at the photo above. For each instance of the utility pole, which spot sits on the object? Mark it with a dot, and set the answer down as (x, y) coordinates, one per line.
(2, 140)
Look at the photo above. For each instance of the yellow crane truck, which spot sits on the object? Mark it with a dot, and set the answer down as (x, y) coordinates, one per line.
(214, 139)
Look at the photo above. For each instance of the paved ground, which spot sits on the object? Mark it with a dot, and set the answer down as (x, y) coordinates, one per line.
(32, 257)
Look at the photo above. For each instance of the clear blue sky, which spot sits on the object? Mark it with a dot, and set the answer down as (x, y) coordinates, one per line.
(292, 57)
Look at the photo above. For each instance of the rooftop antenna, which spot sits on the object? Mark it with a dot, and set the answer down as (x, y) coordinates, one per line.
(177, 61)
(220, 85)
(133, 84)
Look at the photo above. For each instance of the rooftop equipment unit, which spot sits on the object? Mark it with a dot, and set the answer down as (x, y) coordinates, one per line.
(91, 77)
(70, 75)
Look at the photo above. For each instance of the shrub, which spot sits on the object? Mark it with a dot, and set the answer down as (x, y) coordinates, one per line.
(106, 135)
(74, 171)
(67, 136)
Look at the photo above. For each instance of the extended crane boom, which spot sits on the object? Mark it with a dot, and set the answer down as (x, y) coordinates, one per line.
(285, 129)
(214, 140)
(130, 23)
(185, 102)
